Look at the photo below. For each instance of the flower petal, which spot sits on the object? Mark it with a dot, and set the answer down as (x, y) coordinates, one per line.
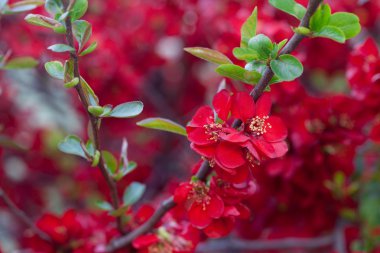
(182, 192)
(222, 104)
(229, 156)
(243, 106)
(220, 227)
(198, 216)
(215, 207)
(203, 116)
(263, 105)
(199, 136)
(206, 151)
(277, 130)
(144, 241)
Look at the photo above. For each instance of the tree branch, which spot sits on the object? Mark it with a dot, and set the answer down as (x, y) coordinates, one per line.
(23, 217)
(234, 244)
(94, 121)
(204, 170)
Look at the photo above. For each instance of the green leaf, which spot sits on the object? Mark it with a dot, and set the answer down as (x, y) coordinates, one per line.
(60, 48)
(78, 10)
(125, 170)
(21, 63)
(92, 99)
(95, 159)
(133, 193)
(72, 83)
(104, 205)
(262, 45)
(90, 148)
(95, 110)
(55, 69)
(320, 18)
(238, 73)
(109, 161)
(331, 32)
(282, 43)
(248, 30)
(39, 20)
(127, 110)
(287, 67)
(72, 145)
(22, 6)
(163, 125)
(82, 32)
(54, 6)
(68, 71)
(347, 22)
(245, 54)
(289, 6)
(90, 49)
(208, 54)
(120, 211)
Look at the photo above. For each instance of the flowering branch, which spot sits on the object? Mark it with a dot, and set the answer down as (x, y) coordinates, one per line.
(22, 216)
(94, 121)
(204, 170)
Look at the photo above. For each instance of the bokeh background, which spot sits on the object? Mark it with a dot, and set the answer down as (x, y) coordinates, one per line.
(327, 186)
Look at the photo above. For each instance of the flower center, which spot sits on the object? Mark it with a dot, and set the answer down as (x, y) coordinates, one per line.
(213, 130)
(199, 195)
(258, 126)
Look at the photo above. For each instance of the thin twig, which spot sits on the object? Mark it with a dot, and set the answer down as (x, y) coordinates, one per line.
(168, 204)
(235, 244)
(94, 121)
(23, 217)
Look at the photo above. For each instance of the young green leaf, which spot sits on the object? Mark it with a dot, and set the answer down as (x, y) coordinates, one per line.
(39, 20)
(238, 73)
(110, 162)
(72, 83)
(95, 159)
(133, 193)
(55, 69)
(289, 6)
(104, 205)
(125, 170)
(60, 48)
(245, 54)
(90, 148)
(248, 30)
(347, 22)
(287, 67)
(89, 93)
(95, 110)
(208, 54)
(127, 110)
(82, 32)
(21, 63)
(78, 10)
(331, 32)
(120, 211)
(72, 145)
(262, 45)
(22, 6)
(54, 6)
(90, 49)
(163, 125)
(320, 18)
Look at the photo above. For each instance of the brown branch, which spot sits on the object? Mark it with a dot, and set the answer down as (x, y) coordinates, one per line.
(168, 204)
(94, 121)
(233, 245)
(23, 217)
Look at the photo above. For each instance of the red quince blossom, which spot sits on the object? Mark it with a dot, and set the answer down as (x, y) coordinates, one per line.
(260, 135)
(201, 203)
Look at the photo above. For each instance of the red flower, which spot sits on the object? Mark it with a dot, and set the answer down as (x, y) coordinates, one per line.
(202, 205)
